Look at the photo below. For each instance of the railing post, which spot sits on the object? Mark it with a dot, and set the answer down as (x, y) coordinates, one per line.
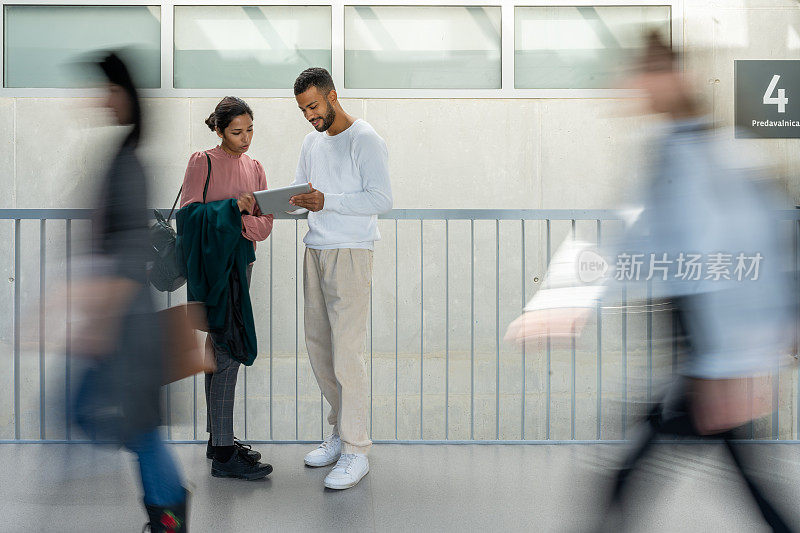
(547, 377)
(16, 328)
(524, 367)
(42, 337)
(447, 329)
(599, 313)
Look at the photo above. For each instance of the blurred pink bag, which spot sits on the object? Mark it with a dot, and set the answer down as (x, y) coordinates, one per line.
(719, 405)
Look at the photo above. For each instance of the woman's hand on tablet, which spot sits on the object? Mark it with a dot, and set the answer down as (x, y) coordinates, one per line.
(247, 202)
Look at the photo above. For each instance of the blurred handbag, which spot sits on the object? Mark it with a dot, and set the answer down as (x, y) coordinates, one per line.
(166, 273)
(719, 405)
(184, 352)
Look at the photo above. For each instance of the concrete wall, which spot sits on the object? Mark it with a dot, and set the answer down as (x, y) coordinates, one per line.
(498, 154)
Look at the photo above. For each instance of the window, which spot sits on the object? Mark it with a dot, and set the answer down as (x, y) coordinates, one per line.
(373, 48)
(422, 47)
(42, 43)
(249, 47)
(580, 47)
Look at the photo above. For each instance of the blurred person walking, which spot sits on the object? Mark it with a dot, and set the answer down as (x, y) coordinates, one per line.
(346, 163)
(704, 200)
(118, 398)
(218, 226)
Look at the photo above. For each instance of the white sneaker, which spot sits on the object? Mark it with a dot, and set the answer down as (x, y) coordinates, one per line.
(348, 471)
(327, 453)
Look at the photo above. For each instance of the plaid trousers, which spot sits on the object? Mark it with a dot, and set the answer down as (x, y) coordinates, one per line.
(221, 392)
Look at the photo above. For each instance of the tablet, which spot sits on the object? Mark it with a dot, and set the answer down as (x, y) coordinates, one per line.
(276, 201)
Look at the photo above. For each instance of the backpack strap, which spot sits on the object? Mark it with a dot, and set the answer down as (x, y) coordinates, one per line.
(174, 204)
(205, 189)
(208, 176)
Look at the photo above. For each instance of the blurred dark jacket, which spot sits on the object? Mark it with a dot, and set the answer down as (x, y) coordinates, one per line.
(121, 238)
(119, 398)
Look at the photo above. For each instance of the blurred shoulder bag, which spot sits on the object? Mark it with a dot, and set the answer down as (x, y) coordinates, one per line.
(186, 355)
(719, 405)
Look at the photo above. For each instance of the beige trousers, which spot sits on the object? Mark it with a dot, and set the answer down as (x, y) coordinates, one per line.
(336, 284)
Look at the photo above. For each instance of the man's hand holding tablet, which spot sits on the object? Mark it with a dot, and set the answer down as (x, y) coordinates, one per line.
(277, 201)
(313, 200)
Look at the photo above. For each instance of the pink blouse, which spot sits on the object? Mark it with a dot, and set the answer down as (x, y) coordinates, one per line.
(230, 177)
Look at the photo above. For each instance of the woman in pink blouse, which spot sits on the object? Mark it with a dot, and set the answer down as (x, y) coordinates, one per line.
(234, 175)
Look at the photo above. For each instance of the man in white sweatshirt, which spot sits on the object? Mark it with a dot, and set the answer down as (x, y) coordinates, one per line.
(346, 164)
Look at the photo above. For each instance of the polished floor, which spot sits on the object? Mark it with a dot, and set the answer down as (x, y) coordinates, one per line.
(66, 488)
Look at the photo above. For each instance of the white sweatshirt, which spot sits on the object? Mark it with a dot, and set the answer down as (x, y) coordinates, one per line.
(351, 169)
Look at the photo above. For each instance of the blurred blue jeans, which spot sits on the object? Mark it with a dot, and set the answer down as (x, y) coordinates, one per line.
(161, 480)
(96, 414)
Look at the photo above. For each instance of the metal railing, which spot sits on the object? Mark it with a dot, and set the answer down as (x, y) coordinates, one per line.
(513, 223)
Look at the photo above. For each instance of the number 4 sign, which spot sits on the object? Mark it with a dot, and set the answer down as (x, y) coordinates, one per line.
(765, 105)
(781, 100)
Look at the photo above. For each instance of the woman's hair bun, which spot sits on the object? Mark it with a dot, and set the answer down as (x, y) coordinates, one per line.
(211, 122)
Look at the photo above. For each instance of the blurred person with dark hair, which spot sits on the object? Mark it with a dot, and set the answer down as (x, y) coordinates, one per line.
(346, 164)
(218, 226)
(705, 197)
(119, 396)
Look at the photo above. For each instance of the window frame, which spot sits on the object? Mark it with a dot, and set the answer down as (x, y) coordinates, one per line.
(507, 14)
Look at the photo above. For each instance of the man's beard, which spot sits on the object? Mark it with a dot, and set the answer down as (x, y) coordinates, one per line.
(327, 120)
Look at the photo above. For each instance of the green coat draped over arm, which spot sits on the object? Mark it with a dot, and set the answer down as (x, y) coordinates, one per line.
(211, 247)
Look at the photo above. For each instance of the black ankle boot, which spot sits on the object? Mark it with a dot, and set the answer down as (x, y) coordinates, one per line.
(240, 466)
(172, 519)
(256, 456)
(247, 449)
